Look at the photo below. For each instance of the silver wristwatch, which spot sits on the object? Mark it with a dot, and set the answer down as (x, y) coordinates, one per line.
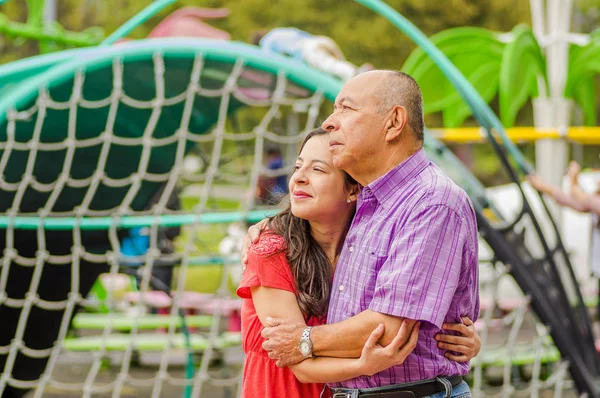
(305, 345)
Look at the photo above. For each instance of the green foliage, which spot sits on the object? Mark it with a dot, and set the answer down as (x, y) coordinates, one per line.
(522, 64)
(584, 63)
(476, 52)
(362, 35)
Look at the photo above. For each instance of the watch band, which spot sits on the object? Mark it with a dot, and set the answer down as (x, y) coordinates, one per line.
(305, 341)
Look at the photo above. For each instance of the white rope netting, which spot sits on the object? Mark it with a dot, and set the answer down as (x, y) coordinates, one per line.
(272, 99)
(253, 109)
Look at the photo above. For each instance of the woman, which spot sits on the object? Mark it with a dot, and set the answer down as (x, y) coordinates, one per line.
(289, 275)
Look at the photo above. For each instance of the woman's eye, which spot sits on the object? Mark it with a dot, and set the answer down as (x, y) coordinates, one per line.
(319, 170)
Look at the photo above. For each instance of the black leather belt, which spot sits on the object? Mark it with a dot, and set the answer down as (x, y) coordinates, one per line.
(409, 390)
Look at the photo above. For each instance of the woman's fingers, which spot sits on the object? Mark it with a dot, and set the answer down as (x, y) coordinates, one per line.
(375, 336)
(406, 331)
(463, 349)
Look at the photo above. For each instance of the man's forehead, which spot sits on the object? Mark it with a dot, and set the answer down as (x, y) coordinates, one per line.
(358, 89)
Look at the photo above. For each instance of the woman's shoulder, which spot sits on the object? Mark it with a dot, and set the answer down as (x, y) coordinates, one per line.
(269, 243)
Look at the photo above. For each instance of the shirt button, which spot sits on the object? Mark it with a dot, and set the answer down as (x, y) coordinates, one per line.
(341, 288)
(351, 249)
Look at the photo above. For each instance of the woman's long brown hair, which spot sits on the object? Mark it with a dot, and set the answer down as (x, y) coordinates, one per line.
(310, 266)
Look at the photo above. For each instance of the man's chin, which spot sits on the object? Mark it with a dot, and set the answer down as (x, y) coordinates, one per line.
(338, 162)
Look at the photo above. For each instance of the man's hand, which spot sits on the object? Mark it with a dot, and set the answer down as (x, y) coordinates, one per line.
(250, 238)
(467, 345)
(282, 340)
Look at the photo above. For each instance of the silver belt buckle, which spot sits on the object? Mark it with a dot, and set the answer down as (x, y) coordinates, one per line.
(345, 394)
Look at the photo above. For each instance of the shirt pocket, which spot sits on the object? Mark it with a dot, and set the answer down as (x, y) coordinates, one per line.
(361, 287)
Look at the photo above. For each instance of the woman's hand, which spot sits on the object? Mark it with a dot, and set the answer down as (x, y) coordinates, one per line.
(375, 358)
(467, 345)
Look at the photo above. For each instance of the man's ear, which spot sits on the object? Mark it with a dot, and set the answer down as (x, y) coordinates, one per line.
(398, 120)
(354, 191)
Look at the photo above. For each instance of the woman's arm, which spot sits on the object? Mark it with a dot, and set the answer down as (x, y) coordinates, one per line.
(270, 302)
(374, 358)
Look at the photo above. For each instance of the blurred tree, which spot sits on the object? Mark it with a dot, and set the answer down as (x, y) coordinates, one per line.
(362, 35)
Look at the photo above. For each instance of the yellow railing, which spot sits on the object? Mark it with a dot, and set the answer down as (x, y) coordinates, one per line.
(583, 135)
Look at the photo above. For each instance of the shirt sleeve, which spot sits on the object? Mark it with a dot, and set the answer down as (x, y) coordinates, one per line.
(421, 273)
(268, 267)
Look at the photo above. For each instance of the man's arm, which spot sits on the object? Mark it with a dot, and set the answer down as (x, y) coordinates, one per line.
(343, 339)
(346, 339)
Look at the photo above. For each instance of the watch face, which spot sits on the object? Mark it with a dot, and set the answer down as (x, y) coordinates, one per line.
(304, 348)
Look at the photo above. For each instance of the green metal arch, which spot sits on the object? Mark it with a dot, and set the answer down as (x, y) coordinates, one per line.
(229, 52)
(482, 112)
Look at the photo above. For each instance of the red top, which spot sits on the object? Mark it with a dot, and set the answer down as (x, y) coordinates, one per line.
(268, 266)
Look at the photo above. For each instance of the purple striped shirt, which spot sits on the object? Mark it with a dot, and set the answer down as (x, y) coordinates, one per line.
(411, 252)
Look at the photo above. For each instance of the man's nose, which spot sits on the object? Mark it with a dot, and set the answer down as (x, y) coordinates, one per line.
(331, 123)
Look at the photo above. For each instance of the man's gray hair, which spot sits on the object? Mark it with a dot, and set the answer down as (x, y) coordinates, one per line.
(399, 88)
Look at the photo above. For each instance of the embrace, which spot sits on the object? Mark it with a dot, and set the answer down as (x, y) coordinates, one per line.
(366, 285)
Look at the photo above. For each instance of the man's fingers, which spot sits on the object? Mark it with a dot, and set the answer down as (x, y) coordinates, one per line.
(266, 333)
(272, 322)
(375, 336)
(466, 320)
(266, 345)
(272, 355)
(458, 327)
(463, 349)
(447, 338)
(456, 358)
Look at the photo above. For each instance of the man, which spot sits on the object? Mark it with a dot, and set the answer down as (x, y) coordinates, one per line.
(320, 52)
(410, 254)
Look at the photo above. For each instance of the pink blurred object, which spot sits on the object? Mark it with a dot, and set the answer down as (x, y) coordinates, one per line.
(155, 299)
(227, 306)
(188, 22)
(193, 300)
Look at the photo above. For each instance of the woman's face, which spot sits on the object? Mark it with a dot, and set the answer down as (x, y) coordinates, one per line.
(318, 190)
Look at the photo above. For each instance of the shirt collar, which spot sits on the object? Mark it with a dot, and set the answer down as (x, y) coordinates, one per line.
(396, 178)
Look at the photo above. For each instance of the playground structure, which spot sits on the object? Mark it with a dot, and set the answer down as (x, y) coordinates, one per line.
(80, 113)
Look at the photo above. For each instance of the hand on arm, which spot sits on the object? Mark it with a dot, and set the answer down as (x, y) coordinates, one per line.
(374, 358)
(343, 340)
